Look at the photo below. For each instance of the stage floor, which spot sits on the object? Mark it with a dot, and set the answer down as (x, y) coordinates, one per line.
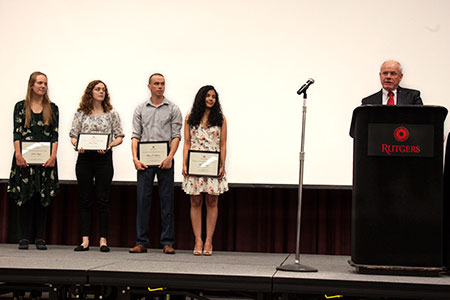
(224, 271)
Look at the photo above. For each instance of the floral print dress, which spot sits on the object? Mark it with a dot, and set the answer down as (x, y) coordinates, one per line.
(206, 140)
(25, 182)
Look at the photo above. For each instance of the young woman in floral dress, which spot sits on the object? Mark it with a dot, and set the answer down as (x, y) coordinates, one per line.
(205, 129)
(33, 186)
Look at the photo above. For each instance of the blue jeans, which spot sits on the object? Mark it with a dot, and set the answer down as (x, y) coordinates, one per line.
(145, 181)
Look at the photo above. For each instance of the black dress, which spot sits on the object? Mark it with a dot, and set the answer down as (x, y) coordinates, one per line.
(34, 179)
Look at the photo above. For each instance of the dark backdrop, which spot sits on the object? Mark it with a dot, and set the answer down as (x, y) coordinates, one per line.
(251, 218)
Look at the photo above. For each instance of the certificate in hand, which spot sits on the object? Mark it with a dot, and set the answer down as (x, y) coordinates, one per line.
(203, 163)
(93, 141)
(153, 153)
(36, 153)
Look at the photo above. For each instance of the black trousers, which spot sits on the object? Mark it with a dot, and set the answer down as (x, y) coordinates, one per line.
(94, 174)
(32, 215)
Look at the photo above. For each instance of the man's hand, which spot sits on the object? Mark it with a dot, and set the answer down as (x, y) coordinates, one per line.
(166, 164)
(139, 165)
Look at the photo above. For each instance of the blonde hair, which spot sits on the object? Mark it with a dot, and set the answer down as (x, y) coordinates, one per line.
(47, 108)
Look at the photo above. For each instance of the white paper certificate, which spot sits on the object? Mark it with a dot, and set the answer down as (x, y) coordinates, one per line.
(36, 153)
(203, 163)
(93, 141)
(152, 153)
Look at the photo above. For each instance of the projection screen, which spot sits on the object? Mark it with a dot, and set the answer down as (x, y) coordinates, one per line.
(256, 53)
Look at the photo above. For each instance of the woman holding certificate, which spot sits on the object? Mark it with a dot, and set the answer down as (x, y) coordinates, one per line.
(33, 181)
(205, 132)
(96, 128)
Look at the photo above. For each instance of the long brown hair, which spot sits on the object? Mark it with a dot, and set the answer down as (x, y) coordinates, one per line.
(86, 104)
(46, 106)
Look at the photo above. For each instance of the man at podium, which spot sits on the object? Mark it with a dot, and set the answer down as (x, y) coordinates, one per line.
(391, 74)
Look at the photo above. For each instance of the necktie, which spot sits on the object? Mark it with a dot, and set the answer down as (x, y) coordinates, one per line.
(390, 99)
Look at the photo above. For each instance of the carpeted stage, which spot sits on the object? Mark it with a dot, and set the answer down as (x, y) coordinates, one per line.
(119, 274)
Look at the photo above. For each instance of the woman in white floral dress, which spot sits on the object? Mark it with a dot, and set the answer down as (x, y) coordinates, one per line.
(205, 129)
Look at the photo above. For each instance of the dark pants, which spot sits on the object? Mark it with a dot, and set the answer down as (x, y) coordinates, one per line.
(144, 201)
(33, 214)
(94, 174)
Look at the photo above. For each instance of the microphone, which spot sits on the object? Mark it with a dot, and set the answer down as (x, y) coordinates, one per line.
(305, 86)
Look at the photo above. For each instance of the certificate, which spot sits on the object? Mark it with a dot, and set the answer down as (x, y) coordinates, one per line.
(36, 153)
(203, 163)
(153, 153)
(93, 141)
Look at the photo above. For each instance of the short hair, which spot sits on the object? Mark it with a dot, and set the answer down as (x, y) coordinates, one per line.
(154, 74)
(400, 68)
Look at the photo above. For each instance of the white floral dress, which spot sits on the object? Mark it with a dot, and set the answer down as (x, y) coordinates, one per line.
(206, 140)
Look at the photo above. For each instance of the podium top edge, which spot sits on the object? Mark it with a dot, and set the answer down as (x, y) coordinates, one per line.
(400, 107)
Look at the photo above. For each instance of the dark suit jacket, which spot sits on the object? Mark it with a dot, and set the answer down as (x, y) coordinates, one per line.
(404, 97)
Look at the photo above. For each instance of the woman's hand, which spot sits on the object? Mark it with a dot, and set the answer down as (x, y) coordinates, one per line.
(50, 162)
(184, 171)
(20, 161)
(114, 143)
(107, 149)
(221, 172)
(74, 143)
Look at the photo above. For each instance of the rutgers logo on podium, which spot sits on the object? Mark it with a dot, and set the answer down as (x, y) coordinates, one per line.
(400, 140)
(401, 133)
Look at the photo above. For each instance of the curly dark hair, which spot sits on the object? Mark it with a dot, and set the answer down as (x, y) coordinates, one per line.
(86, 104)
(198, 109)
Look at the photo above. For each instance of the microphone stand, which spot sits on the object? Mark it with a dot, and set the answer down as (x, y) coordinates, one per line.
(297, 267)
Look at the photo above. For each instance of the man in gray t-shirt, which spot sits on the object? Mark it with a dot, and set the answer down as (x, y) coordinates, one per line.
(155, 120)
